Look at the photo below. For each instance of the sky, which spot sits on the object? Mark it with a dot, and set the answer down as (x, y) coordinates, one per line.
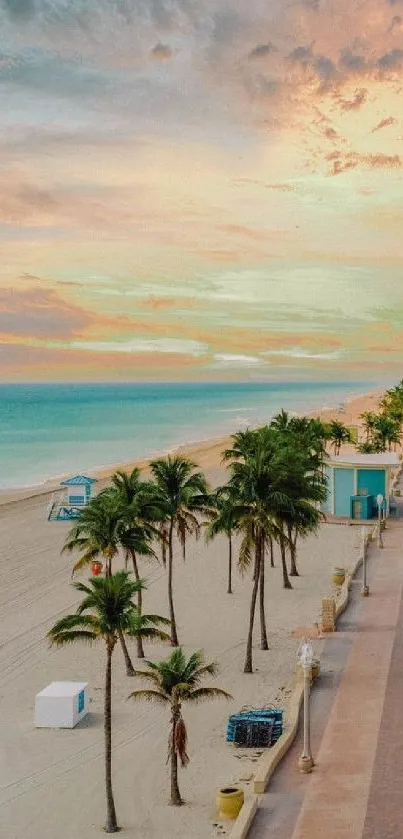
(194, 190)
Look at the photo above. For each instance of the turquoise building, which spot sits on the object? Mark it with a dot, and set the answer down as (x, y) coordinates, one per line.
(354, 481)
(77, 492)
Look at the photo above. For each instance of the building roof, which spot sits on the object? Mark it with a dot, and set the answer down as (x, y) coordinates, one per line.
(63, 689)
(383, 459)
(79, 480)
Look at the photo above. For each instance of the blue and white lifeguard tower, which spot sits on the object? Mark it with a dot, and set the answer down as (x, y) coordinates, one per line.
(76, 493)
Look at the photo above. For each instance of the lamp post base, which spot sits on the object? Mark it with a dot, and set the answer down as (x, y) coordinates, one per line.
(306, 763)
(365, 591)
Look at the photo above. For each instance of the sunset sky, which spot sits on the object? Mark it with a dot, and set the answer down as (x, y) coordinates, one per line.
(196, 189)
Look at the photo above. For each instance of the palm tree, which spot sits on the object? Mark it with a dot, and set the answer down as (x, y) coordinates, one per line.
(386, 432)
(223, 522)
(98, 533)
(243, 444)
(179, 493)
(338, 434)
(369, 418)
(107, 612)
(303, 481)
(258, 499)
(137, 524)
(175, 681)
(282, 421)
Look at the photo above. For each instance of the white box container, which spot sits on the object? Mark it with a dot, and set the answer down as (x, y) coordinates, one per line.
(61, 705)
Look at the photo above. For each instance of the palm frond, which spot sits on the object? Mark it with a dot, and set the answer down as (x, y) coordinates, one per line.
(149, 696)
(70, 636)
(206, 694)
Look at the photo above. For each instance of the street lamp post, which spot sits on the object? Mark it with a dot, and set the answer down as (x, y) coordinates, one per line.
(306, 657)
(365, 586)
(379, 501)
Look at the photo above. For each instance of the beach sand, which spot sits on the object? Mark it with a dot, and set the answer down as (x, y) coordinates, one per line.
(52, 782)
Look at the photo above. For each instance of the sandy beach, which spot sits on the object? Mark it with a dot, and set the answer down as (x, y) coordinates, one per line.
(52, 782)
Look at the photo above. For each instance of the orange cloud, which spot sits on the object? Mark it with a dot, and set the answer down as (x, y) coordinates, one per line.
(342, 162)
(384, 123)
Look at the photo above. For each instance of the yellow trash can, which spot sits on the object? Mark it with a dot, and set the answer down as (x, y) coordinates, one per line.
(229, 802)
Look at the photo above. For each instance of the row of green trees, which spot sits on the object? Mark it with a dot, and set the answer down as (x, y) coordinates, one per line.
(107, 612)
(274, 488)
(384, 429)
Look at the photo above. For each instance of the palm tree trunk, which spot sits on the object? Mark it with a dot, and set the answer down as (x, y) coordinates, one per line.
(286, 581)
(248, 658)
(263, 631)
(164, 545)
(128, 661)
(271, 552)
(293, 552)
(176, 799)
(229, 589)
(111, 825)
(139, 640)
(174, 634)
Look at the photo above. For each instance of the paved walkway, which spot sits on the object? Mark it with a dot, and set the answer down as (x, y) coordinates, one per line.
(355, 790)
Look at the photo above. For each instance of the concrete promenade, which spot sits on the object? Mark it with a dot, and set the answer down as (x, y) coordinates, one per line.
(356, 788)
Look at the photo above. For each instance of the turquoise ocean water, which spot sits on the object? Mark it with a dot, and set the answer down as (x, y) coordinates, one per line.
(58, 429)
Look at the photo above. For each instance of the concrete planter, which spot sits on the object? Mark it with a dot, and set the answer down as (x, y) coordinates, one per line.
(338, 576)
(314, 672)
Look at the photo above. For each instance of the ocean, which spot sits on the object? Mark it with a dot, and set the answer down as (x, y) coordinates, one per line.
(50, 430)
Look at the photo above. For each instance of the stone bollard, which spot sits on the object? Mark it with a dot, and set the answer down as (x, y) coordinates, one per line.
(328, 614)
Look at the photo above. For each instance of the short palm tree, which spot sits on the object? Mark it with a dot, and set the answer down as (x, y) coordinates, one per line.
(106, 612)
(180, 493)
(175, 681)
(96, 533)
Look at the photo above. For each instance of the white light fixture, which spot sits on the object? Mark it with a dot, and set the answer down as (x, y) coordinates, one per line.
(379, 501)
(306, 654)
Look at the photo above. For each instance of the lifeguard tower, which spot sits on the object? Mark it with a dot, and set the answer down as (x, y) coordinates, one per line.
(76, 494)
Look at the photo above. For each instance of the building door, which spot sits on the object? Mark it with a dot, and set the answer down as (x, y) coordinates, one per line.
(343, 490)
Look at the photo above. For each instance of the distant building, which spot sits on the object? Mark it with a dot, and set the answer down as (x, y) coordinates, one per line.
(354, 481)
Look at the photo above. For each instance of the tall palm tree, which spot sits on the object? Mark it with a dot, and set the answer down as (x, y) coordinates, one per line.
(175, 681)
(258, 498)
(223, 521)
(138, 525)
(304, 483)
(97, 532)
(180, 493)
(106, 612)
